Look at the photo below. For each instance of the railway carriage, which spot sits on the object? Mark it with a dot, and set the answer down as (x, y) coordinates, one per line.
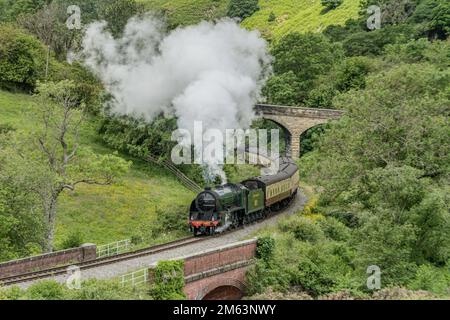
(231, 205)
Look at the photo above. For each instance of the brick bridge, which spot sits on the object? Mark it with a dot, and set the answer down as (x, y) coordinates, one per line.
(219, 273)
(295, 121)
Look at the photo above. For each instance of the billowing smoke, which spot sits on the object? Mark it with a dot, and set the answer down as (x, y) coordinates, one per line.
(211, 72)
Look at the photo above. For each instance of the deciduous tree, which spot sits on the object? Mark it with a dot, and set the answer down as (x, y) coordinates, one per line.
(58, 161)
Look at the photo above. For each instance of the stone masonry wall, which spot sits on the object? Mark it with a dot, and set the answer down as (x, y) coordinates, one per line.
(76, 255)
(218, 258)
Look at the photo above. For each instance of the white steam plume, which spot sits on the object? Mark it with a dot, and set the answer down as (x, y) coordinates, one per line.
(211, 72)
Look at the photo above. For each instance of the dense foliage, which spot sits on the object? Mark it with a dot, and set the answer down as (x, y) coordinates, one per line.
(318, 255)
(299, 60)
(168, 280)
(242, 8)
(382, 171)
(117, 12)
(51, 160)
(90, 290)
(22, 59)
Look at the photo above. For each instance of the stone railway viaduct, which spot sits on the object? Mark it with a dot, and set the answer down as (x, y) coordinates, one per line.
(295, 121)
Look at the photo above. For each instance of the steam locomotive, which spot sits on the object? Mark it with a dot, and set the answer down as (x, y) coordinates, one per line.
(231, 205)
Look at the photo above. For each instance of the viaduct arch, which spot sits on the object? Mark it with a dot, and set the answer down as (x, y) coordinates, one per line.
(219, 274)
(295, 121)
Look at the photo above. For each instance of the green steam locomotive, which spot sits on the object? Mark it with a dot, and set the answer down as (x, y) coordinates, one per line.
(229, 206)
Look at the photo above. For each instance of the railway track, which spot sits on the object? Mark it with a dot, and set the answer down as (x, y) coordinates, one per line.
(60, 270)
(32, 276)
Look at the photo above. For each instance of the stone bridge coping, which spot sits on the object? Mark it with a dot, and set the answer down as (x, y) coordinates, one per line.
(213, 250)
(299, 111)
(218, 270)
(47, 255)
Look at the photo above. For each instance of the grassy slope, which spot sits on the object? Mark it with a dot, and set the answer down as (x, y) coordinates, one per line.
(105, 214)
(188, 12)
(291, 15)
(298, 15)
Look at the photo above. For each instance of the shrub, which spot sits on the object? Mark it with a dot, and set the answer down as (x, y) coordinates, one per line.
(323, 268)
(334, 229)
(435, 15)
(5, 128)
(45, 290)
(73, 240)
(432, 218)
(331, 4)
(90, 290)
(380, 241)
(431, 279)
(321, 97)
(372, 43)
(283, 89)
(263, 276)
(10, 10)
(168, 281)
(242, 8)
(171, 219)
(313, 278)
(117, 13)
(265, 248)
(137, 239)
(137, 137)
(311, 207)
(12, 293)
(272, 17)
(306, 230)
(349, 219)
(22, 59)
(303, 58)
(107, 290)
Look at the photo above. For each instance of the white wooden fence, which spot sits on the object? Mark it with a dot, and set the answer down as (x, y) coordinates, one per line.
(113, 248)
(135, 278)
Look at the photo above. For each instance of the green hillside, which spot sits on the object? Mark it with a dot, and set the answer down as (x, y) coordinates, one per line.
(187, 12)
(291, 15)
(105, 214)
(298, 15)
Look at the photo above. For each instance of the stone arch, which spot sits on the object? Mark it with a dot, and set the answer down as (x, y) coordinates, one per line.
(296, 120)
(294, 128)
(286, 131)
(213, 290)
